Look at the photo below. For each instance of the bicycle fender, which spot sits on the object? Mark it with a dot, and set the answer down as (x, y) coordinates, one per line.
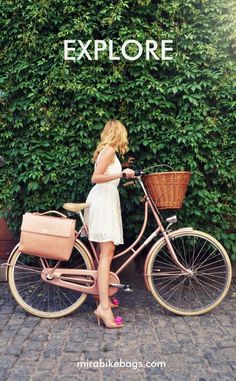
(9, 260)
(158, 243)
(82, 245)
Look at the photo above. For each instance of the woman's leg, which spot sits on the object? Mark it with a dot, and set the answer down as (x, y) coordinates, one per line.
(116, 304)
(107, 250)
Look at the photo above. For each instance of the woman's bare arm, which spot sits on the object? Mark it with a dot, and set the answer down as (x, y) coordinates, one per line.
(106, 158)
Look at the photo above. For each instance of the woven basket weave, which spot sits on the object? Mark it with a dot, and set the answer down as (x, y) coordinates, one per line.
(167, 189)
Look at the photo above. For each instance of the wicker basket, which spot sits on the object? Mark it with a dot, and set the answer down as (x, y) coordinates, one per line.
(167, 189)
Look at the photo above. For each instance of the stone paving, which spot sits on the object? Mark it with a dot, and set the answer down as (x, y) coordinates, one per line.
(193, 348)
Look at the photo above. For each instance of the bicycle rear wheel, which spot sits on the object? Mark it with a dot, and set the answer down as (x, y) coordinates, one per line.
(194, 294)
(36, 296)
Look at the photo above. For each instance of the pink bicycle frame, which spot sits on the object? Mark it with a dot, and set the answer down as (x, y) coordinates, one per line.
(148, 204)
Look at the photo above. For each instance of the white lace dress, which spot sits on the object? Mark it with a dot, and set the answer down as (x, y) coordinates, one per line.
(103, 217)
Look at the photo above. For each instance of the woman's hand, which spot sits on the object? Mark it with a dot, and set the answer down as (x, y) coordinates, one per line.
(129, 173)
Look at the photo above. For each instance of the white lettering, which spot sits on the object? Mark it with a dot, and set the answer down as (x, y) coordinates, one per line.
(133, 58)
(111, 57)
(99, 49)
(67, 49)
(164, 49)
(84, 50)
(150, 49)
(102, 46)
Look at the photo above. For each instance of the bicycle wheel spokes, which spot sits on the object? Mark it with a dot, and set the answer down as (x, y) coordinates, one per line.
(37, 296)
(196, 293)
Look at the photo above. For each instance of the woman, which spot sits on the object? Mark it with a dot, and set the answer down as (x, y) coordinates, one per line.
(103, 218)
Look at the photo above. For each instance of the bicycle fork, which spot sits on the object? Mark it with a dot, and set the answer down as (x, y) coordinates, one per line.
(183, 269)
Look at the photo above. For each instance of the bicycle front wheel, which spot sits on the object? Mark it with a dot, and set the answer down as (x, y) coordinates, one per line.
(38, 297)
(194, 294)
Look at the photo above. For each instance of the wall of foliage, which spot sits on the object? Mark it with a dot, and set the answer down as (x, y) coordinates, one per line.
(180, 112)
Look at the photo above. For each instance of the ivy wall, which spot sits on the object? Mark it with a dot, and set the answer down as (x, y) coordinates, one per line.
(179, 112)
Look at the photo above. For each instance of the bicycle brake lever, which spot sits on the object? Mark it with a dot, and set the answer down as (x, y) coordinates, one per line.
(138, 172)
(128, 183)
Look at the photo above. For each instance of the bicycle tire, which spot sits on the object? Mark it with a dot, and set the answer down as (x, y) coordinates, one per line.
(209, 277)
(22, 295)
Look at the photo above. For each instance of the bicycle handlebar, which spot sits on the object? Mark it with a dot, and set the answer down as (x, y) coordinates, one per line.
(138, 173)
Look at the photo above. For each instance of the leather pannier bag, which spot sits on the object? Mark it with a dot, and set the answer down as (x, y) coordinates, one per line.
(47, 236)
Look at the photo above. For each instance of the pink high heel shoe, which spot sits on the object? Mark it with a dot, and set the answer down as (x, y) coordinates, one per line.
(119, 320)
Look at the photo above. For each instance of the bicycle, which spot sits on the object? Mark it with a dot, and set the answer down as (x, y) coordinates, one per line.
(187, 271)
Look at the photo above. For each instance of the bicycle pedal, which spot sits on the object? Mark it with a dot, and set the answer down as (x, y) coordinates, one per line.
(127, 288)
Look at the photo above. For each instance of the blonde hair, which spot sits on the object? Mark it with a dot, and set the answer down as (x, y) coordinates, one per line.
(115, 135)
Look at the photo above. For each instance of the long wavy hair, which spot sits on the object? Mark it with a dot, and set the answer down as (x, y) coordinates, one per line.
(115, 135)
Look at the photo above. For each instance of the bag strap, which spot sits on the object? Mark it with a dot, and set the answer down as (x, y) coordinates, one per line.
(52, 211)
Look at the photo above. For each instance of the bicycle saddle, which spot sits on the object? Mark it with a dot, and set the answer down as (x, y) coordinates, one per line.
(75, 207)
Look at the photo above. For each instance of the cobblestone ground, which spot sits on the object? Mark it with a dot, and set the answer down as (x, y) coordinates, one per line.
(193, 348)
